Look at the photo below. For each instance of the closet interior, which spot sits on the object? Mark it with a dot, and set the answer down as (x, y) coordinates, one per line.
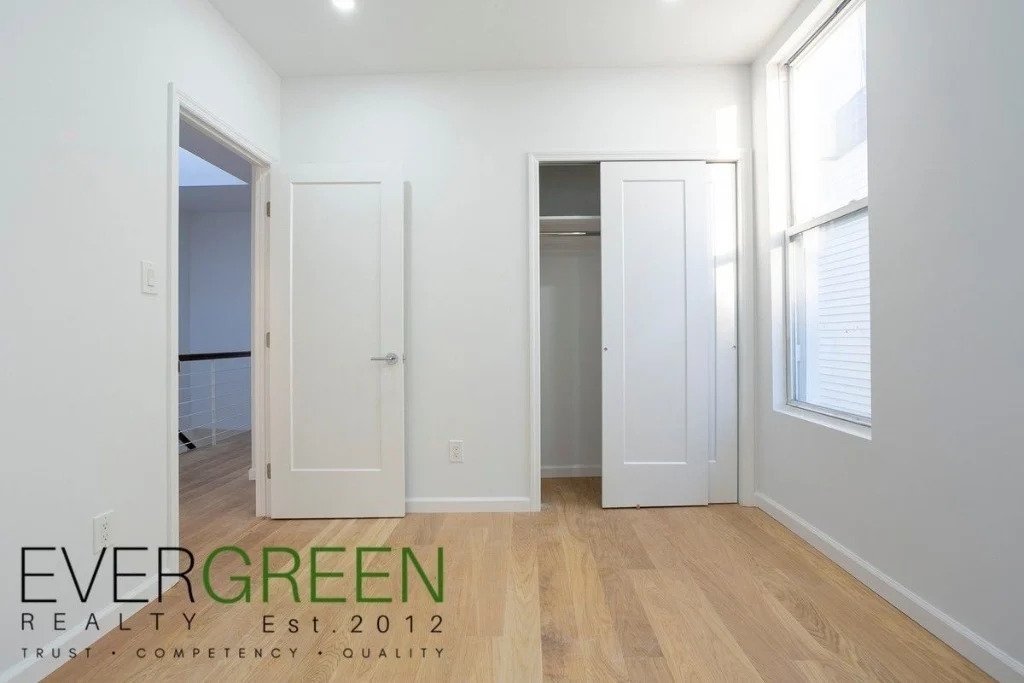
(570, 319)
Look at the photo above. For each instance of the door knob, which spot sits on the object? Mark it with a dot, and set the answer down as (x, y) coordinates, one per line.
(390, 359)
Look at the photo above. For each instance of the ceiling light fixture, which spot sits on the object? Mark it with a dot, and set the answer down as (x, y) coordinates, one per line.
(344, 5)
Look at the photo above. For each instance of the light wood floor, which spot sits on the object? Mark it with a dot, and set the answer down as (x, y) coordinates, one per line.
(572, 593)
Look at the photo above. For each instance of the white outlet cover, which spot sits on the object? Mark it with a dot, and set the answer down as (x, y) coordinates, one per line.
(455, 450)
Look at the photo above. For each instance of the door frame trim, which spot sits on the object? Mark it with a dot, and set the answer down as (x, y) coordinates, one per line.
(183, 107)
(744, 290)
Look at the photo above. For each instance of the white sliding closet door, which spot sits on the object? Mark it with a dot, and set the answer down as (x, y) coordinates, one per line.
(723, 463)
(337, 402)
(658, 316)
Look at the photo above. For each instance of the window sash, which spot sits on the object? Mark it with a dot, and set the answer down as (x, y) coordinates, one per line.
(793, 230)
(829, 412)
(818, 221)
(791, 305)
(842, 11)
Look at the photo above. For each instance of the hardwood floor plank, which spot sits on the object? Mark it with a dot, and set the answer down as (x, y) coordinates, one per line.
(652, 669)
(595, 627)
(695, 642)
(517, 654)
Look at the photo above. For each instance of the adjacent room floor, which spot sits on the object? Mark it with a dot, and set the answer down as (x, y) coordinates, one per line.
(573, 592)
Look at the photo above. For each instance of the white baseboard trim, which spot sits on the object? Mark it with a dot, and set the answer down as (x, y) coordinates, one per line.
(468, 504)
(78, 637)
(570, 471)
(994, 661)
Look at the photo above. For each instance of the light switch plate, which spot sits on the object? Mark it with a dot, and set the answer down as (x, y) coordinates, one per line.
(148, 274)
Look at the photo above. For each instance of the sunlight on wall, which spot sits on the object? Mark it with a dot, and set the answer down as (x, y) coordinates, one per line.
(727, 127)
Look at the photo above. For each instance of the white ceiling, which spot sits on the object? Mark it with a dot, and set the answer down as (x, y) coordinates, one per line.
(310, 37)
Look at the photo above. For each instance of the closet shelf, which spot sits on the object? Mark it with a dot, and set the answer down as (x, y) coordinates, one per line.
(570, 224)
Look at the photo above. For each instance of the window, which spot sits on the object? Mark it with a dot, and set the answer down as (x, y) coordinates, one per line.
(828, 275)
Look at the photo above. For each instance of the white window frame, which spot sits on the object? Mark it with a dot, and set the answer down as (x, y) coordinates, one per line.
(793, 229)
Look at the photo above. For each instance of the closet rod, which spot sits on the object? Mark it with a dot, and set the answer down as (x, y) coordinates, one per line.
(575, 233)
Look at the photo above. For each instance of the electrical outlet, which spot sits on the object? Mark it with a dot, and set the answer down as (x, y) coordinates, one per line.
(455, 450)
(101, 531)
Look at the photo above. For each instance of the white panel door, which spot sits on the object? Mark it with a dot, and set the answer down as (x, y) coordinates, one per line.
(658, 318)
(336, 382)
(723, 461)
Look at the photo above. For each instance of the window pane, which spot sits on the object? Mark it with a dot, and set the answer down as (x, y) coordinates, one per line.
(830, 316)
(828, 120)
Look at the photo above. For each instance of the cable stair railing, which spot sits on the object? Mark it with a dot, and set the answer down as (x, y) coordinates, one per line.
(213, 397)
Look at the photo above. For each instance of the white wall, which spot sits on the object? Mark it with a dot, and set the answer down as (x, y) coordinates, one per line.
(931, 502)
(570, 356)
(216, 266)
(215, 311)
(463, 140)
(84, 185)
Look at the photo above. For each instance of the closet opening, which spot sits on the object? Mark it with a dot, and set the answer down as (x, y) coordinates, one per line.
(634, 328)
(570, 326)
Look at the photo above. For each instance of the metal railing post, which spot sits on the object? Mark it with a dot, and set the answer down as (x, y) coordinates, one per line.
(213, 402)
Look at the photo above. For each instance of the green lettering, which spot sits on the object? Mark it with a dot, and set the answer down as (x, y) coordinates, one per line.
(314, 574)
(244, 580)
(361, 574)
(289, 575)
(407, 557)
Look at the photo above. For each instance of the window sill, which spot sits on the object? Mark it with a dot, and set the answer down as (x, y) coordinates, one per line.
(821, 419)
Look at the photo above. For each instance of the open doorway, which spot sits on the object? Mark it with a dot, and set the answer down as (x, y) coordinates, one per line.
(215, 461)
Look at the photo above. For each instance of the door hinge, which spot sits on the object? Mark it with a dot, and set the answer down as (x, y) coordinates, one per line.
(268, 470)
(268, 209)
(266, 340)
